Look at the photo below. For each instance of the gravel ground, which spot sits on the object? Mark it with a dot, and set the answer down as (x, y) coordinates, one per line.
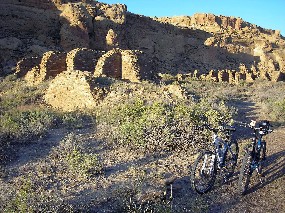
(147, 177)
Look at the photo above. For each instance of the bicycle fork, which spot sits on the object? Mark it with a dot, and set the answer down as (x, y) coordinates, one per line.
(211, 167)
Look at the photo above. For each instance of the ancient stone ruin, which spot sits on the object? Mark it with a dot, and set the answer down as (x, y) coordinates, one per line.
(83, 59)
(53, 36)
(71, 90)
(122, 64)
(74, 73)
(116, 63)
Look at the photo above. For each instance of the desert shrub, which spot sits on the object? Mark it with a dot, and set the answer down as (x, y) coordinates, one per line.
(21, 116)
(75, 120)
(25, 198)
(24, 125)
(29, 195)
(16, 93)
(21, 202)
(216, 90)
(278, 110)
(270, 98)
(158, 125)
(79, 161)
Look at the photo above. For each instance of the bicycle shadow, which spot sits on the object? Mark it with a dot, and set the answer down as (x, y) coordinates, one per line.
(274, 169)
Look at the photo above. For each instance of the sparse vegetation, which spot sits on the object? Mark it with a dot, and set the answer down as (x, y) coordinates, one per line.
(144, 132)
(77, 160)
(158, 125)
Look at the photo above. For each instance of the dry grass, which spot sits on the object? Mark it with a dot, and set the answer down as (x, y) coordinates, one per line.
(86, 173)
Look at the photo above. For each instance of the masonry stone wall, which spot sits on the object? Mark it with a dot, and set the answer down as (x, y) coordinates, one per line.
(122, 64)
(25, 65)
(33, 77)
(83, 59)
(52, 64)
(131, 69)
(70, 90)
(110, 64)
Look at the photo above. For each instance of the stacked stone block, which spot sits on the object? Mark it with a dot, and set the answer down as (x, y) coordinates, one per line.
(25, 65)
(71, 90)
(83, 59)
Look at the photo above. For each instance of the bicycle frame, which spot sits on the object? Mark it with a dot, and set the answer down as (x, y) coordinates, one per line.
(211, 165)
(257, 143)
(256, 148)
(204, 170)
(221, 151)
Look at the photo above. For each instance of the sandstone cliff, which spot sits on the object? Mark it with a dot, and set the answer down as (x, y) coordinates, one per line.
(202, 43)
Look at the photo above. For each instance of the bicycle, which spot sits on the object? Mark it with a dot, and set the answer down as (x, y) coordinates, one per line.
(255, 154)
(223, 157)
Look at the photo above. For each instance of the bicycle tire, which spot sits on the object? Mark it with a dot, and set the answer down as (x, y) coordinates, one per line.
(206, 176)
(231, 157)
(245, 172)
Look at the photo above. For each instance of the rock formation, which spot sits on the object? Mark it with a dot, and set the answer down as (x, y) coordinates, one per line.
(40, 39)
(202, 42)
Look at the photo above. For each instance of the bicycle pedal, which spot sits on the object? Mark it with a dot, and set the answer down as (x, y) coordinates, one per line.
(262, 179)
(224, 180)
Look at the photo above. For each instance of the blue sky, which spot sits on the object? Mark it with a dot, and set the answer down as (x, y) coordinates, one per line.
(269, 14)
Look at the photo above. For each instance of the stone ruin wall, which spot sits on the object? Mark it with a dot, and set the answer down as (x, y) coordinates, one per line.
(25, 65)
(234, 77)
(116, 63)
(131, 65)
(122, 64)
(70, 90)
(83, 59)
(52, 64)
(110, 64)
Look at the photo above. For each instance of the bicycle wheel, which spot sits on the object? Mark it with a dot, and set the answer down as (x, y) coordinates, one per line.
(245, 173)
(203, 173)
(231, 157)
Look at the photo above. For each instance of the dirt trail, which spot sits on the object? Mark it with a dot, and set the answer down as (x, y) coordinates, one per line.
(150, 174)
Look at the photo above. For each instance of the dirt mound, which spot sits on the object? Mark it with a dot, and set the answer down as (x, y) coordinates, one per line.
(72, 90)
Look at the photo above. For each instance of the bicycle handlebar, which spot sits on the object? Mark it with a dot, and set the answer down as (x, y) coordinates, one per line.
(252, 125)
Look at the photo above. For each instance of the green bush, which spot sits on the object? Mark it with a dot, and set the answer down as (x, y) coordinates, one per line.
(76, 119)
(15, 93)
(278, 110)
(158, 125)
(23, 125)
(76, 158)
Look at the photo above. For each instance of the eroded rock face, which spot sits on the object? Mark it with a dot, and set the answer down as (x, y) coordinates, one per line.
(201, 42)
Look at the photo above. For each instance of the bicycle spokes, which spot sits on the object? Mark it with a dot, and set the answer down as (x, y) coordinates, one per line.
(204, 172)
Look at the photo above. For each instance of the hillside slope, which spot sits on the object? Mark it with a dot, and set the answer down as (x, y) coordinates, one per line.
(201, 42)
